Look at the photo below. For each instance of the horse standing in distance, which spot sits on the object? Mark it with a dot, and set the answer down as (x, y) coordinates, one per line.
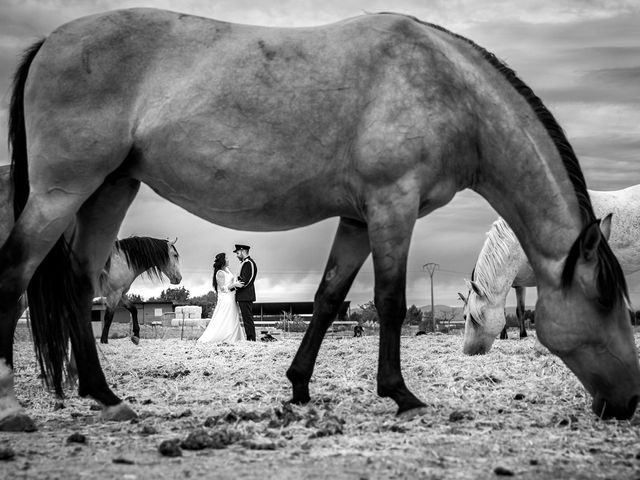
(502, 264)
(378, 120)
(130, 258)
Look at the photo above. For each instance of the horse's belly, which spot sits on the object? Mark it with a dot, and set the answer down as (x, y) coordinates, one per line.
(244, 205)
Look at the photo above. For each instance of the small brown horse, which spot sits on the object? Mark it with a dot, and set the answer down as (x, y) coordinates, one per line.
(378, 119)
(130, 258)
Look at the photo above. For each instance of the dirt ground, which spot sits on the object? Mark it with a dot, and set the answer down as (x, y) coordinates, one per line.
(515, 412)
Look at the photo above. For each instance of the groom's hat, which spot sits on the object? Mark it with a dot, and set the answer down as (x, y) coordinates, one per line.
(241, 247)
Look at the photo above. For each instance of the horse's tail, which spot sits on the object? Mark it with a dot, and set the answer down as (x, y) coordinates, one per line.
(17, 133)
(52, 290)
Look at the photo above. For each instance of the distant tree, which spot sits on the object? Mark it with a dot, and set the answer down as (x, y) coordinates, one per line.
(444, 320)
(207, 302)
(356, 316)
(134, 297)
(530, 315)
(414, 316)
(512, 321)
(368, 312)
(178, 295)
(427, 324)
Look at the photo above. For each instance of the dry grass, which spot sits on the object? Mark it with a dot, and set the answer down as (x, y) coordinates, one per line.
(517, 409)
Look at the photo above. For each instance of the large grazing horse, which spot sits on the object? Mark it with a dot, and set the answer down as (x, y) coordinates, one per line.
(378, 119)
(502, 264)
(130, 258)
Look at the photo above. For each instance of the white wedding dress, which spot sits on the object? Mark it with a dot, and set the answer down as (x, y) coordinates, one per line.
(225, 325)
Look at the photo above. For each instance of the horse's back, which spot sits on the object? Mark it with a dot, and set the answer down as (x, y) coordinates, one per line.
(327, 110)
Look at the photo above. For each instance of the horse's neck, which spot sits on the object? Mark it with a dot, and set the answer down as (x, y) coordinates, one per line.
(499, 261)
(519, 167)
(526, 182)
(120, 275)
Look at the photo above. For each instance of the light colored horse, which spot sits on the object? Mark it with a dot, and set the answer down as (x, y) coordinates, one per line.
(378, 119)
(130, 258)
(502, 264)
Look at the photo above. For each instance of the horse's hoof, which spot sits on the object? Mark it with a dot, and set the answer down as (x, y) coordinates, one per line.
(104, 341)
(412, 413)
(118, 413)
(135, 340)
(17, 422)
(300, 400)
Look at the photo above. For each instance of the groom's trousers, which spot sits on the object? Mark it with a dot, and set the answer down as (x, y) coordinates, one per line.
(246, 310)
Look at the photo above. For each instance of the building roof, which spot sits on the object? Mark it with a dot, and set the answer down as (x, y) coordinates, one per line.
(295, 308)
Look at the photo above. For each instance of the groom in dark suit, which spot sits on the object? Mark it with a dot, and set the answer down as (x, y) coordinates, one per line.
(246, 294)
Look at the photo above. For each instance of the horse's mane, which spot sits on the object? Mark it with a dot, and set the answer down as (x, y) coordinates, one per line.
(611, 282)
(142, 253)
(493, 256)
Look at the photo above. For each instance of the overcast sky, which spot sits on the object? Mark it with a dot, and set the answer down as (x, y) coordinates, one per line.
(582, 57)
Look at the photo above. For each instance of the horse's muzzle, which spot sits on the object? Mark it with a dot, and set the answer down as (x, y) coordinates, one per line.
(606, 410)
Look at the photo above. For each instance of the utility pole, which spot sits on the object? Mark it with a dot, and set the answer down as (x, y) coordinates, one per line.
(431, 268)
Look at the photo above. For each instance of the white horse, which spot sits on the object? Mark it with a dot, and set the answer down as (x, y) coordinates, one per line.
(502, 264)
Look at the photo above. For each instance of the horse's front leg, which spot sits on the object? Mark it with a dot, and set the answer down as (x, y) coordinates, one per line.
(135, 337)
(91, 379)
(390, 230)
(97, 225)
(349, 251)
(108, 318)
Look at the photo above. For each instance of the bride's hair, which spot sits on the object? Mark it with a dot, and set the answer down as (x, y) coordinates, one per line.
(218, 264)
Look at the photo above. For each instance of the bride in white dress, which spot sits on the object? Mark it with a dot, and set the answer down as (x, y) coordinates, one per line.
(225, 325)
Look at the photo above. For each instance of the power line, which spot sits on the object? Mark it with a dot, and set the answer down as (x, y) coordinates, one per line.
(431, 268)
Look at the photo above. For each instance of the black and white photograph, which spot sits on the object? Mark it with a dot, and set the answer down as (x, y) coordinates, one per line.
(350, 240)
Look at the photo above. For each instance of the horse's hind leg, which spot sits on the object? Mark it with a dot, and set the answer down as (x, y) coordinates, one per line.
(350, 249)
(390, 235)
(96, 228)
(503, 333)
(12, 417)
(520, 294)
(40, 225)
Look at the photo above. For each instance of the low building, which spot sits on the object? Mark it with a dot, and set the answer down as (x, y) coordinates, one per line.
(147, 312)
(274, 310)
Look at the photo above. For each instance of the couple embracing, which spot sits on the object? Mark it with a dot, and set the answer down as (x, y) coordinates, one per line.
(232, 318)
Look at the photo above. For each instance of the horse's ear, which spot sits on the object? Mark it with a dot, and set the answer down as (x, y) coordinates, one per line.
(589, 241)
(475, 287)
(462, 297)
(605, 226)
(174, 242)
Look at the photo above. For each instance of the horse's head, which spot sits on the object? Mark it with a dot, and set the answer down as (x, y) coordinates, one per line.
(586, 323)
(484, 319)
(172, 267)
